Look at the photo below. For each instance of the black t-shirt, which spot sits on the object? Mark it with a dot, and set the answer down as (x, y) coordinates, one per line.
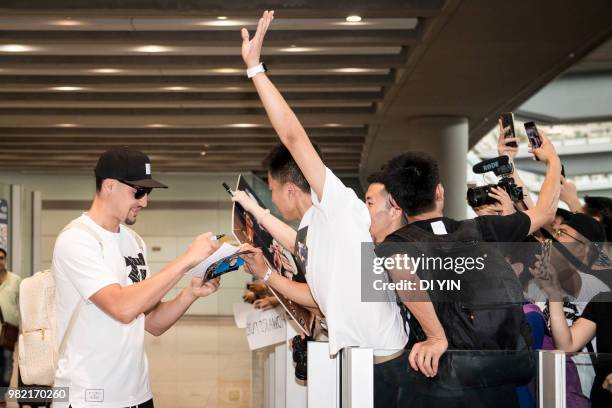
(599, 311)
(494, 228)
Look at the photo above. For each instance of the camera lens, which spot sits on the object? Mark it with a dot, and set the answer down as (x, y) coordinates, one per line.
(478, 196)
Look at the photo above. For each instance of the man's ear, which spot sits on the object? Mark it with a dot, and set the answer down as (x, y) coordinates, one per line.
(393, 202)
(291, 188)
(108, 185)
(439, 192)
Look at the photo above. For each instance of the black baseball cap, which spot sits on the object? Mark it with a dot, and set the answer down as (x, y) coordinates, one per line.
(588, 226)
(128, 165)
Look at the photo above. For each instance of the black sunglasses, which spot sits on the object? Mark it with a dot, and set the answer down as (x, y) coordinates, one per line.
(140, 191)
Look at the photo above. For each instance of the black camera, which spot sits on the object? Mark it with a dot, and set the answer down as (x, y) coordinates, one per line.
(300, 356)
(501, 167)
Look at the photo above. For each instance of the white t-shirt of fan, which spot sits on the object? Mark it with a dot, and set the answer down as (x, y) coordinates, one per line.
(104, 363)
(337, 225)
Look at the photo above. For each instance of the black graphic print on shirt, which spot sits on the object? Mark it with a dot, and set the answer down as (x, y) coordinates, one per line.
(301, 250)
(136, 274)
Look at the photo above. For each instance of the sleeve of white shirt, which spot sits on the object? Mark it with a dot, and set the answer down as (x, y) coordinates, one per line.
(336, 196)
(79, 257)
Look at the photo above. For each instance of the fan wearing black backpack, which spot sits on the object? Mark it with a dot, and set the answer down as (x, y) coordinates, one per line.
(486, 314)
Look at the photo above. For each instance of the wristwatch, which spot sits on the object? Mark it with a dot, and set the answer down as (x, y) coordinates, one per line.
(251, 72)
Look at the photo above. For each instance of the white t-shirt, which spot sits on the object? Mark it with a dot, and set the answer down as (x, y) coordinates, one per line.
(337, 225)
(104, 362)
(590, 287)
(573, 308)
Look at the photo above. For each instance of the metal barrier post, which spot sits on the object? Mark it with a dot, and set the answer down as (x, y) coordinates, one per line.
(551, 381)
(357, 378)
(323, 376)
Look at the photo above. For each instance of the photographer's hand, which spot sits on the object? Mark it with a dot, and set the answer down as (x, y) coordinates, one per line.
(489, 209)
(502, 197)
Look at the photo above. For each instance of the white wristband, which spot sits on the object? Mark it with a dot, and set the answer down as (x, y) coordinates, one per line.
(251, 72)
(267, 276)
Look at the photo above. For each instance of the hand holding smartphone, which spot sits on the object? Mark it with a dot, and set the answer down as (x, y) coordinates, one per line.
(507, 122)
(533, 135)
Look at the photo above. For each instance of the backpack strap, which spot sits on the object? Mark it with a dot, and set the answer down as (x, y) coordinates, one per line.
(75, 313)
(136, 237)
(84, 227)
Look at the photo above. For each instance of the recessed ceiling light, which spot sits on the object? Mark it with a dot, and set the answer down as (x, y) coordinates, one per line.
(244, 125)
(175, 88)
(202, 153)
(67, 88)
(353, 19)
(231, 88)
(298, 49)
(106, 70)
(67, 23)
(152, 48)
(227, 70)
(332, 125)
(222, 18)
(225, 23)
(352, 70)
(157, 125)
(16, 48)
(66, 125)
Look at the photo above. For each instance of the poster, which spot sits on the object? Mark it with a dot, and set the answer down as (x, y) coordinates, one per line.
(247, 230)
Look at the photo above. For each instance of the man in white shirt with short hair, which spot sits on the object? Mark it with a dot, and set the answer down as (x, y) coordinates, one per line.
(103, 279)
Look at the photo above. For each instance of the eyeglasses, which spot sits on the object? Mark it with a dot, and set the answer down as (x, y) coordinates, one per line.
(560, 232)
(140, 191)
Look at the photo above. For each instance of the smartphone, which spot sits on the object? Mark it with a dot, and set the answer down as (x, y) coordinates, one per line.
(228, 189)
(533, 135)
(507, 120)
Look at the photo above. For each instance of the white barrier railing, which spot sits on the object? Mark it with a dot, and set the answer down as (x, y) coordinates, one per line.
(347, 380)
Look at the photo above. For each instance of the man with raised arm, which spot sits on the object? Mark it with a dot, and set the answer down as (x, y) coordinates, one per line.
(330, 233)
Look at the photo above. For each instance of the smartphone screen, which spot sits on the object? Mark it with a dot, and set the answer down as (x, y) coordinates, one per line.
(533, 135)
(507, 120)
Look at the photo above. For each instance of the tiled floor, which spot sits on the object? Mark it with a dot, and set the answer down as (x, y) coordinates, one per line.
(201, 362)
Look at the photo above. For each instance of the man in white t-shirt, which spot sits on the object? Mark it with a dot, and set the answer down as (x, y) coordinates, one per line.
(331, 232)
(101, 272)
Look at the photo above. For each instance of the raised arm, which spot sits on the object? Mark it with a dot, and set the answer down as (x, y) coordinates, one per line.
(284, 121)
(544, 211)
(569, 339)
(507, 146)
(281, 232)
